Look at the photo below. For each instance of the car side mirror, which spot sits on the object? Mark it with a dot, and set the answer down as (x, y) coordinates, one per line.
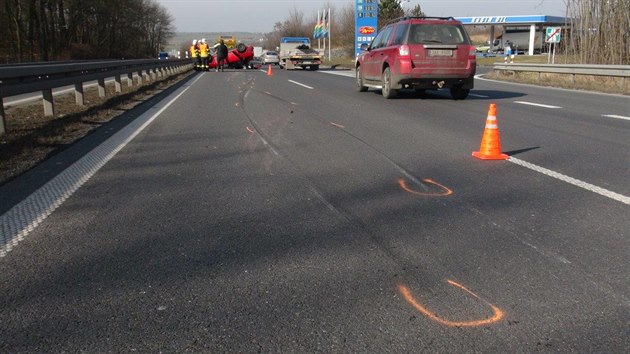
(364, 47)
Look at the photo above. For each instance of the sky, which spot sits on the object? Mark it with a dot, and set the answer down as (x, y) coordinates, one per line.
(261, 15)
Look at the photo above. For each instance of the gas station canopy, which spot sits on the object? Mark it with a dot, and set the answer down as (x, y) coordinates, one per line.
(533, 21)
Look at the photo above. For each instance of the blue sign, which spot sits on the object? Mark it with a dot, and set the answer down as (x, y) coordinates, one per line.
(366, 23)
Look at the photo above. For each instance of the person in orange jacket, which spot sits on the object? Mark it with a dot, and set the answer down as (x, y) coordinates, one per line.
(194, 54)
(204, 54)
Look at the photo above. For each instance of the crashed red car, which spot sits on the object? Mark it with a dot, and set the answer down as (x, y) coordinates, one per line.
(237, 58)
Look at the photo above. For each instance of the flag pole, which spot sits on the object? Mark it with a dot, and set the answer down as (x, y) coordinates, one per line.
(329, 27)
(319, 41)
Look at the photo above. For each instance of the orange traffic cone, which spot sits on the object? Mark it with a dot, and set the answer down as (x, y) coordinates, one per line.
(269, 71)
(490, 148)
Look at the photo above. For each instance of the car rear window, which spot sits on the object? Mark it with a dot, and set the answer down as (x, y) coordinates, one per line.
(271, 53)
(399, 34)
(437, 33)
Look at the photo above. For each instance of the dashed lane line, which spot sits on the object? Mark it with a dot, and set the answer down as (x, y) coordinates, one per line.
(537, 104)
(347, 73)
(615, 116)
(300, 84)
(24, 217)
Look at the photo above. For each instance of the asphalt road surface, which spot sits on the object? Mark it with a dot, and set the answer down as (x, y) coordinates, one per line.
(243, 212)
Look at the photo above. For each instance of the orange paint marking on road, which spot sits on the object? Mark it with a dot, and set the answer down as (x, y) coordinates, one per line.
(337, 125)
(497, 316)
(249, 130)
(403, 185)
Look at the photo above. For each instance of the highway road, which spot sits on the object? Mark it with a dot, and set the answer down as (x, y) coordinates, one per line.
(242, 212)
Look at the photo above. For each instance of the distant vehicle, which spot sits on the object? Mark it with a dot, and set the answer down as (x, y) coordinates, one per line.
(519, 37)
(163, 55)
(297, 52)
(483, 48)
(421, 53)
(230, 41)
(255, 63)
(270, 57)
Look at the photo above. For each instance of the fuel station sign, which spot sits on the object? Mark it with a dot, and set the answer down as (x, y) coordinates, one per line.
(366, 23)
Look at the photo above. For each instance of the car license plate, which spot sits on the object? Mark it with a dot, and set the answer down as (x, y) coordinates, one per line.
(307, 62)
(440, 53)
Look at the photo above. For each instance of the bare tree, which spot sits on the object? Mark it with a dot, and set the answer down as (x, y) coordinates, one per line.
(599, 31)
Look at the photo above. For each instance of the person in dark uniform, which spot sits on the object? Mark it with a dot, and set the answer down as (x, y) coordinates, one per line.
(222, 53)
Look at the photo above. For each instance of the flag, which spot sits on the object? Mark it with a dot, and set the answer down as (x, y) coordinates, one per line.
(317, 29)
(324, 28)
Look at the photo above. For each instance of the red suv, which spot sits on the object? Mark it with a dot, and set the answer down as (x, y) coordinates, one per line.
(418, 53)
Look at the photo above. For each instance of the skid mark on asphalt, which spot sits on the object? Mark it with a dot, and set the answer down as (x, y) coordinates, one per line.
(444, 190)
(497, 312)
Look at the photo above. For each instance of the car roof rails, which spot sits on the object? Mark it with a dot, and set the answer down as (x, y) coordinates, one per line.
(421, 18)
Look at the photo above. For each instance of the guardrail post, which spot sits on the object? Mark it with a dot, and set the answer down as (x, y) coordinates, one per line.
(49, 104)
(118, 83)
(3, 122)
(140, 74)
(145, 75)
(78, 94)
(129, 79)
(101, 87)
(152, 73)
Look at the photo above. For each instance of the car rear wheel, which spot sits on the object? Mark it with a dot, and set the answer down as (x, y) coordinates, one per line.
(387, 90)
(241, 48)
(459, 93)
(360, 86)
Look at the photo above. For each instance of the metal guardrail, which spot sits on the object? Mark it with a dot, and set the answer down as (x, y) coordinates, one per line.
(20, 79)
(622, 71)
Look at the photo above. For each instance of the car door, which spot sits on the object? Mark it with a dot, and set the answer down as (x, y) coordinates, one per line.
(374, 57)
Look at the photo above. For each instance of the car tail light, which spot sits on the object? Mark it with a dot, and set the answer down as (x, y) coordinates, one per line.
(472, 52)
(403, 51)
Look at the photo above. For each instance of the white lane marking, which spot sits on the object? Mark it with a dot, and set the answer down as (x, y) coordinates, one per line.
(615, 116)
(476, 95)
(576, 182)
(24, 217)
(346, 73)
(300, 84)
(537, 104)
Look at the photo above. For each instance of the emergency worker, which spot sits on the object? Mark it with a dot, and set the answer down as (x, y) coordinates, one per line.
(204, 52)
(193, 53)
